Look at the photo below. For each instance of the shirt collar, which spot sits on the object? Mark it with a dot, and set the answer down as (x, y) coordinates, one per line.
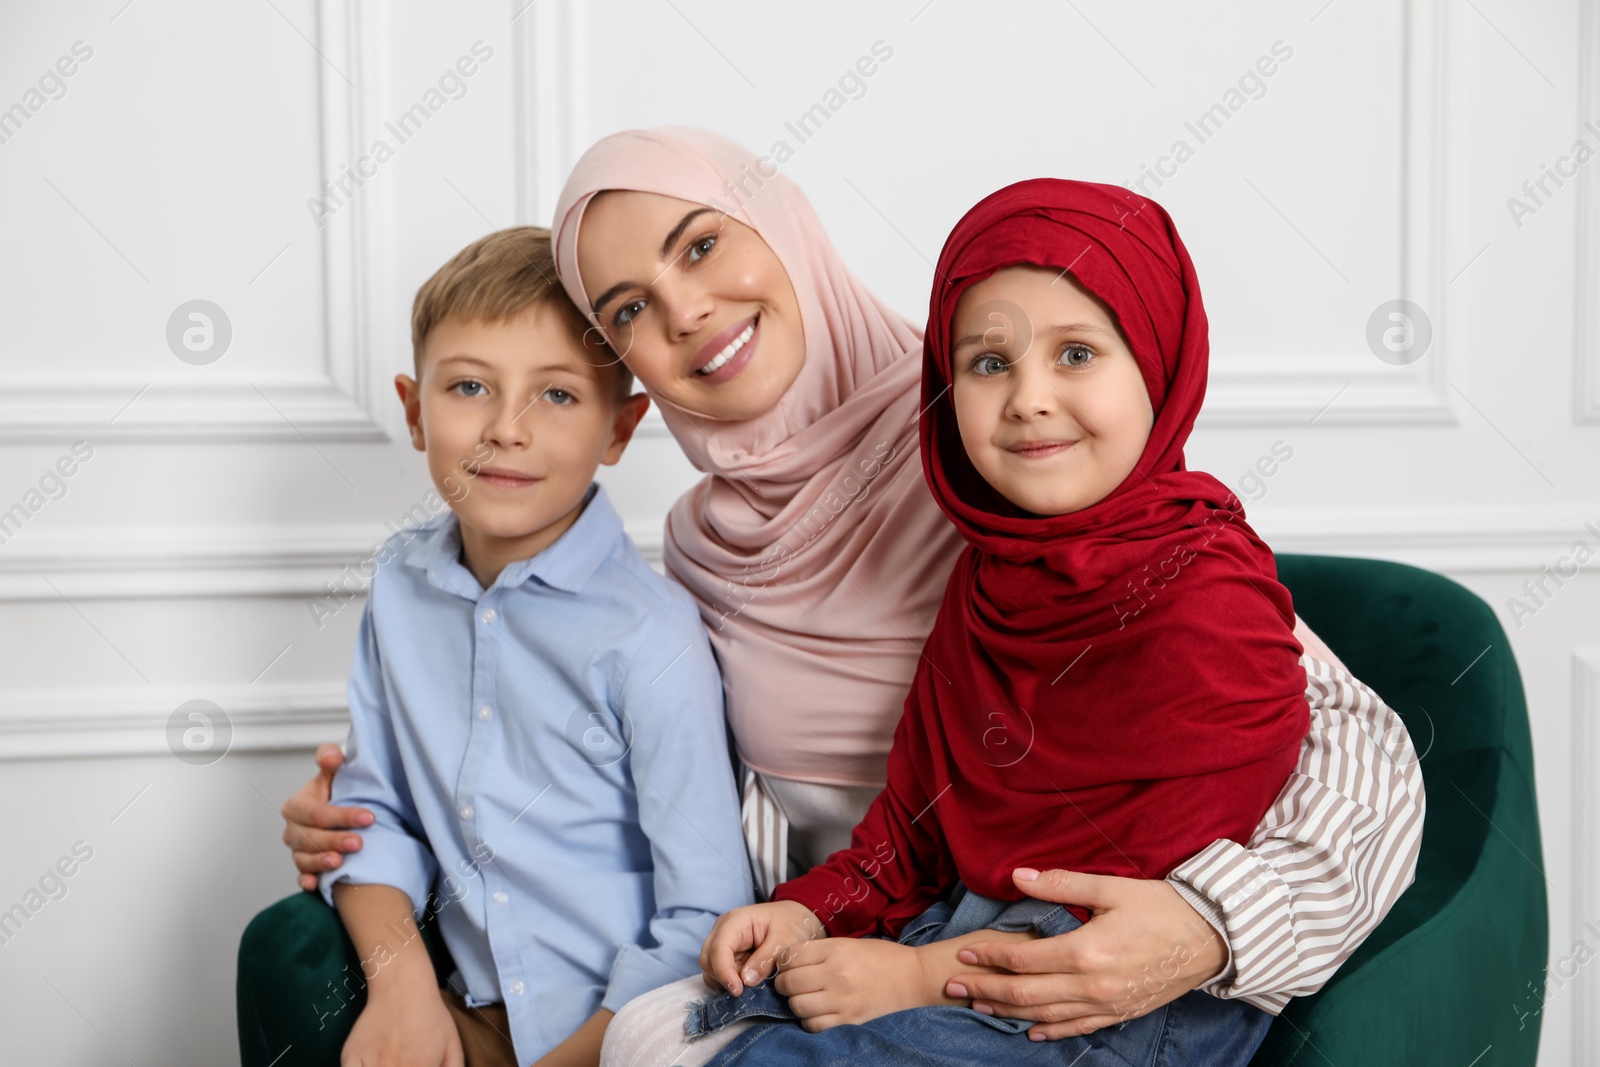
(567, 564)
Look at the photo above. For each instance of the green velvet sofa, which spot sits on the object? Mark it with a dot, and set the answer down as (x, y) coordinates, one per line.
(1441, 979)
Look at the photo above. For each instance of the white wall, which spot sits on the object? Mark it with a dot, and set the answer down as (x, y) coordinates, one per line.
(181, 562)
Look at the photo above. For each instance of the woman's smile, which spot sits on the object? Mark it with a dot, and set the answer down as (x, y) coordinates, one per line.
(726, 354)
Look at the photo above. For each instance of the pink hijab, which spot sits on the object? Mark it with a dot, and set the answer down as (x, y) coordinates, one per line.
(813, 546)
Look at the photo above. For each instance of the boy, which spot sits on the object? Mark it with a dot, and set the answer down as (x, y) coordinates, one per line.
(535, 715)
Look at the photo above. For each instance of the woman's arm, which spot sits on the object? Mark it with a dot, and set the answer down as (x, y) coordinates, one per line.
(1322, 869)
(1328, 861)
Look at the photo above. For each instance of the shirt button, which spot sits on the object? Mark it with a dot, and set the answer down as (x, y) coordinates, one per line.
(488, 615)
(484, 712)
(466, 811)
(500, 898)
(516, 987)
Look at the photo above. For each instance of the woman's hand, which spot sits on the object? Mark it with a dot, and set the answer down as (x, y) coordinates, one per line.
(316, 831)
(747, 944)
(1143, 947)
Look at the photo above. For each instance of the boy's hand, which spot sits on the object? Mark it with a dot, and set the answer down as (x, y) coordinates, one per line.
(316, 830)
(747, 944)
(403, 1027)
(851, 980)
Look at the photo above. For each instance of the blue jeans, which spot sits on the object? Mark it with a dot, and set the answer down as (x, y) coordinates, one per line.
(1196, 1028)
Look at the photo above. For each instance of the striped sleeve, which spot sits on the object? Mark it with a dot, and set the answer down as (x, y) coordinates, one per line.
(1328, 860)
(766, 836)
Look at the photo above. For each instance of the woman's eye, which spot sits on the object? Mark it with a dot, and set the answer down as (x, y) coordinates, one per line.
(465, 388)
(558, 395)
(988, 364)
(1076, 356)
(626, 312)
(701, 248)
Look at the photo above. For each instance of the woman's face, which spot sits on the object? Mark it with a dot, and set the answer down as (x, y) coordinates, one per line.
(695, 303)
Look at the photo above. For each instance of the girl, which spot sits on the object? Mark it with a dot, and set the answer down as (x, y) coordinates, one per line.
(1063, 367)
(818, 556)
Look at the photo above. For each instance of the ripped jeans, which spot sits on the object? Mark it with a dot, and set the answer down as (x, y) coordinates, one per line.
(1195, 1029)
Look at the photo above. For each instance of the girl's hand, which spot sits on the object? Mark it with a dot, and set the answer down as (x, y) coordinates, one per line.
(747, 944)
(853, 980)
(1143, 947)
(316, 830)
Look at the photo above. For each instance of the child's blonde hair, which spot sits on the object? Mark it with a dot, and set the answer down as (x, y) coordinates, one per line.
(495, 278)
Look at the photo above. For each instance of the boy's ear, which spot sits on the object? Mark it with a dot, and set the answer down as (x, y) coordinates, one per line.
(411, 399)
(629, 412)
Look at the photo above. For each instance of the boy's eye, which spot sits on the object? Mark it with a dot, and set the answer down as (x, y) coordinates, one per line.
(466, 388)
(701, 248)
(557, 395)
(988, 364)
(626, 312)
(1076, 356)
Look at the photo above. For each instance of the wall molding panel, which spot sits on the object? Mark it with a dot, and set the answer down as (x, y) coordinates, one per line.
(273, 562)
(117, 721)
(1269, 390)
(341, 404)
(289, 561)
(545, 116)
(1586, 353)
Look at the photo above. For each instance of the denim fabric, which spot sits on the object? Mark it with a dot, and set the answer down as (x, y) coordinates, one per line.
(1196, 1028)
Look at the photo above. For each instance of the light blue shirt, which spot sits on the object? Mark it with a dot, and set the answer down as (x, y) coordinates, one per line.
(549, 768)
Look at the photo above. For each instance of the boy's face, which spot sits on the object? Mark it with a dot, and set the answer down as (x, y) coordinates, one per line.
(515, 416)
(1051, 407)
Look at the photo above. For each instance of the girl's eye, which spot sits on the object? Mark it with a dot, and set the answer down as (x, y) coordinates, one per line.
(558, 396)
(626, 312)
(1076, 356)
(701, 248)
(988, 364)
(462, 388)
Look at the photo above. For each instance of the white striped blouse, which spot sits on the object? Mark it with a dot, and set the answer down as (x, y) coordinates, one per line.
(1329, 859)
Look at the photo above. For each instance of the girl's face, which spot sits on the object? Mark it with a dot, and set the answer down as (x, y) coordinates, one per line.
(1052, 410)
(695, 303)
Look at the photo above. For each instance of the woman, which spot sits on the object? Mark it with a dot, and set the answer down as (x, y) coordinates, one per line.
(818, 557)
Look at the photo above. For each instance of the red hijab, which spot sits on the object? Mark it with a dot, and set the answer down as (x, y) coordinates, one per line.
(1115, 688)
(1107, 691)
